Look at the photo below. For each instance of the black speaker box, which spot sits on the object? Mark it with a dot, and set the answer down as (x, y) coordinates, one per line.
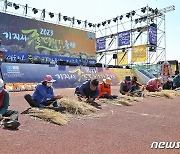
(61, 62)
(98, 64)
(114, 56)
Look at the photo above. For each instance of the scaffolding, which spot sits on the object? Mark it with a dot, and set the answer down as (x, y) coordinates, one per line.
(138, 23)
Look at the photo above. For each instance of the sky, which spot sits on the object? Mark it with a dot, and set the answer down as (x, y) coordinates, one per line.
(99, 10)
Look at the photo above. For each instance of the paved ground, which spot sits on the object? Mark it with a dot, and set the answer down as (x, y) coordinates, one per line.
(113, 130)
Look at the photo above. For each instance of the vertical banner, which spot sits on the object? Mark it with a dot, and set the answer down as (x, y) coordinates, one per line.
(166, 71)
(100, 43)
(124, 38)
(139, 53)
(152, 35)
(122, 58)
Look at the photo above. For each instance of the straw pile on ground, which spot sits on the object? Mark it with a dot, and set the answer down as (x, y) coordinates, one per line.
(49, 115)
(74, 106)
(118, 102)
(164, 93)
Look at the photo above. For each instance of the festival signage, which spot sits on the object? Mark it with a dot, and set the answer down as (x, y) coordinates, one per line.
(152, 35)
(65, 76)
(124, 38)
(100, 43)
(24, 35)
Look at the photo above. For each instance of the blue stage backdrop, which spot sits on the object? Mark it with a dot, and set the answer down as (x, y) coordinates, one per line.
(65, 76)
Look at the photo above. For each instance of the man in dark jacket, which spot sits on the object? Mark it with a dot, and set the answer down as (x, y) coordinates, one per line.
(88, 90)
(168, 85)
(8, 118)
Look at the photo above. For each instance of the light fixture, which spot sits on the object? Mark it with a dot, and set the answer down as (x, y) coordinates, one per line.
(133, 13)
(103, 23)
(51, 14)
(98, 25)
(35, 10)
(90, 24)
(128, 15)
(156, 11)
(109, 21)
(65, 18)
(121, 17)
(15, 6)
(115, 19)
(143, 10)
(79, 22)
(136, 21)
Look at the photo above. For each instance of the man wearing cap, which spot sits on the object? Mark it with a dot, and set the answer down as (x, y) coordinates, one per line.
(154, 84)
(105, 88)
(7, 117)
(88, 90)
(125, 86)
(44, 94)
(168, 85)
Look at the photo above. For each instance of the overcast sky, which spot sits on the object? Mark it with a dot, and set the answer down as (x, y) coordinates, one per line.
(99, 10)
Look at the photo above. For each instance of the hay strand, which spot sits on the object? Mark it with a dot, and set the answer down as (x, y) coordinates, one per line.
(49, 115)
(74, 106)
(164, 93)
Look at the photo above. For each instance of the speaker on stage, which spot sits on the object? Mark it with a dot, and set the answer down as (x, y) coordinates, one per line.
(114, 56)
(61, 62)
(98, 64)
(72, 63)
(177, 68)
(91, 65)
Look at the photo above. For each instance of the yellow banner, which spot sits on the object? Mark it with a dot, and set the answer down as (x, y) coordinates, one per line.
(139, 53)
(122, 58)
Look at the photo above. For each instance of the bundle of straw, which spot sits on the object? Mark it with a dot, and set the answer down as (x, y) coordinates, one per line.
(49, 115)
(76, 107)
(122, 102)
(164, 93)
(119, 101)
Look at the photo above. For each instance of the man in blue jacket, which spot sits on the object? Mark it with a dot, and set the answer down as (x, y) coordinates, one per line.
(9, 118)
(88, 90)
(44, 94)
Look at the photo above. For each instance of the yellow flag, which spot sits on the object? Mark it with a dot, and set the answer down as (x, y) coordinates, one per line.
(122, 58)
(139, 53)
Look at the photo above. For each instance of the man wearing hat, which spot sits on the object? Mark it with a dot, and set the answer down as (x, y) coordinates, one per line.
(125, 86)
(135, 84)
(44, 94)
(105, 89)
(9, 118)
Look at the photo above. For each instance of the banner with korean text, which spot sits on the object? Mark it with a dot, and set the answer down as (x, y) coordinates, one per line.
(124, 38)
